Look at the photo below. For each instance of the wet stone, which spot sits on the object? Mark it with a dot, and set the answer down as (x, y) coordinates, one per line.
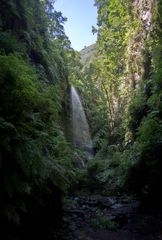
(92, 217)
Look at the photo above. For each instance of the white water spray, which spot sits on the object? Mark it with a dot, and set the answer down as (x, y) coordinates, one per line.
(81, 134)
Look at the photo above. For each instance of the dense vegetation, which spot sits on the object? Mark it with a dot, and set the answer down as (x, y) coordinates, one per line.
(35, 157)
(121, 92)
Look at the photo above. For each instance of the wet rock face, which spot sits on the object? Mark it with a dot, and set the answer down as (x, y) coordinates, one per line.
(144, 9)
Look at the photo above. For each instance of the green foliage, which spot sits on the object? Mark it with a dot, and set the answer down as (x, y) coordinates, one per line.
(103, 222)
(101, 175)
(143, 159)
(35, 157)
(123, 111)
(103, 83)
(137, 111)
(144, 164)
(121, 93)
(18, 80)
(28, 141)
(113, 26)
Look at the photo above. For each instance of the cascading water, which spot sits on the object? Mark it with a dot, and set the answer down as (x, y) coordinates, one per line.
(81, 134)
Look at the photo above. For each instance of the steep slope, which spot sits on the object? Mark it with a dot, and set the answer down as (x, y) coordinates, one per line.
(33, 82)
(87, 54)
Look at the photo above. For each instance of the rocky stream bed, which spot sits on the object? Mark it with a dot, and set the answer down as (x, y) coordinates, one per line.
(109, 218)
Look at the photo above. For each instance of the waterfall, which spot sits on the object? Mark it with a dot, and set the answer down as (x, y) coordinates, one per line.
(80, 128)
